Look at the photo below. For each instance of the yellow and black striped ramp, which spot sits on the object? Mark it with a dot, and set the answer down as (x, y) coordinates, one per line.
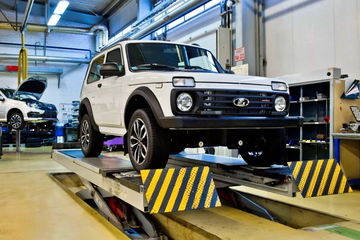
(179, 189)
(319, 177)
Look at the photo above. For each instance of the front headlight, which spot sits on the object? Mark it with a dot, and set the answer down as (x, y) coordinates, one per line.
(280, 104)
(184, 102)
(33, 105)
(278, 86)
(183, 82)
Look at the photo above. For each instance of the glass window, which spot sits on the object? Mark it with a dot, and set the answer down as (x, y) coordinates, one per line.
(114, 56)
(9, 93)
(94, 73)
(200, 58)
(162, 56)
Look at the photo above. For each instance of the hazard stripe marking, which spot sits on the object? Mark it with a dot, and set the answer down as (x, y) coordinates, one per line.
(319, 177)
(179, 189)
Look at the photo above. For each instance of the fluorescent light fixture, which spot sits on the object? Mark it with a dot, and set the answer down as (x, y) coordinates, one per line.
(61, 7)
(53, 20)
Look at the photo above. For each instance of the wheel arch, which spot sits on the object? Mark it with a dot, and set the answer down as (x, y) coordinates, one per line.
(85, 108)
(12, 111)
(142, 97)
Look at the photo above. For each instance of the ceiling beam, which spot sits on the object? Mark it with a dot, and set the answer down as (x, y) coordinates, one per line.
(111, 7)
(69, 15)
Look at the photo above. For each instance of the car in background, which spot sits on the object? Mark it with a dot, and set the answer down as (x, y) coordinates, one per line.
(22, 105)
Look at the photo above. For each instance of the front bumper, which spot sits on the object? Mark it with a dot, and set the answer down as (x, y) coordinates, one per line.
(181, 122)
(41, 116)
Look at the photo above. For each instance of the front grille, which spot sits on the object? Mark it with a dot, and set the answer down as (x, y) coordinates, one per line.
(49, 115)
(221, 102)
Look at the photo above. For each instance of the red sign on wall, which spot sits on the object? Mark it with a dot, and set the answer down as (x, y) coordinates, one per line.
(239, 54)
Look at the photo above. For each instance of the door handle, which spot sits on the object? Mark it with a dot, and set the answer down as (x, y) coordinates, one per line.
(99, 85)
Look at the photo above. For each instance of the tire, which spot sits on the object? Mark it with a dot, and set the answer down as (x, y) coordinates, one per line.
(147, 142)
(91, 141)
(16, 120)
(265, 149)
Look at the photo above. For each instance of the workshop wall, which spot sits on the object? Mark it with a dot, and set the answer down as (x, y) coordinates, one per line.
(73, 74)
(200, 30)
(306, 35)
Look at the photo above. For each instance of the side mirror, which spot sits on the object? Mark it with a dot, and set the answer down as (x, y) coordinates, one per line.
(112, 69)
(228, 71)
(2, 98)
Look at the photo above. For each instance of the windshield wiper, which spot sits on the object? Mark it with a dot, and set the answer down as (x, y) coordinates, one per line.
(197, 68)
(155, 66)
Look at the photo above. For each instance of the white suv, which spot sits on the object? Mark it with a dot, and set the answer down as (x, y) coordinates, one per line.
(22, 105)
(163, 97)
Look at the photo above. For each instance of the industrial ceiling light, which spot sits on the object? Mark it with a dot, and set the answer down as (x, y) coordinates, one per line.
(61, 7)
(54, 20)
(59, 10)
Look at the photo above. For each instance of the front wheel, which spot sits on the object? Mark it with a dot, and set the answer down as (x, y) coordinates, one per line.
(265, 148)
(16, 120)
(91, 140)
(147, 142)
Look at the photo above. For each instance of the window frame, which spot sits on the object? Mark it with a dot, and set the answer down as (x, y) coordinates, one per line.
(121, 57)
(89, 72)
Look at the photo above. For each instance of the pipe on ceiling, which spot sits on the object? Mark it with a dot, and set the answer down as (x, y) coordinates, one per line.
(101, 31)
(173, 15)
(27, 15)
(45, 58)
(102, 35)
(42, 28)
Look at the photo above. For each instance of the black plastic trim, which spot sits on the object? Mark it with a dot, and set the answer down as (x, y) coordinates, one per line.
(86, 103)
(151, 99)
(230, 122)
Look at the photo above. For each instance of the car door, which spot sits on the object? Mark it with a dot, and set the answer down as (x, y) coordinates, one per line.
(113, 87)
(94, 91)
(3, 107)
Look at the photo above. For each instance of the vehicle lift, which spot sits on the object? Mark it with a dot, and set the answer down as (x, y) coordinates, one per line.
(107, 177)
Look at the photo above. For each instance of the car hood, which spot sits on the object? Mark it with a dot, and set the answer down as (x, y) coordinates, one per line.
(34, 85)
(201, 77)
(41, 105)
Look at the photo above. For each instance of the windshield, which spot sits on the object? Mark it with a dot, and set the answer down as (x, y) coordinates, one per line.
(162, 56)
(9, 93)
(25, 95)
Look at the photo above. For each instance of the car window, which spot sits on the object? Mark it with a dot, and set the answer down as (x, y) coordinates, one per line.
(94, 73)
(167, 57)
(9, 93)
(114, 56)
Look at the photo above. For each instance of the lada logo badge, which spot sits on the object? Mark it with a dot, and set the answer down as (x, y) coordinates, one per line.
(241, 102)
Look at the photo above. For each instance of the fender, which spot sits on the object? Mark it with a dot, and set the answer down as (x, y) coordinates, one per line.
(151, 100)
(85, 103)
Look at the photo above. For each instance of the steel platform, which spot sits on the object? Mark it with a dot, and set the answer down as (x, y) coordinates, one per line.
(229, 171)
(116, 175)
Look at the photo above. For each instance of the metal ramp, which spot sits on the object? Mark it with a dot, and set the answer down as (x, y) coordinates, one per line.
(228, 171)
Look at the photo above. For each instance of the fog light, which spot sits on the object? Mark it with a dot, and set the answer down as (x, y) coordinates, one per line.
(184, 102)
(280, 104)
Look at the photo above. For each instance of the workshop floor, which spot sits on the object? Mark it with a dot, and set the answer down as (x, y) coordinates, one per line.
(32, 206)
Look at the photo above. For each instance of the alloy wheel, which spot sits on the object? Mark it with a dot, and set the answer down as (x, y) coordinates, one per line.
(15, 121)
(85, 134)
(139, 141)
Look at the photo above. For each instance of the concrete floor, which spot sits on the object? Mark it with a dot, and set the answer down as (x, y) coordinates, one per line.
(32, 206)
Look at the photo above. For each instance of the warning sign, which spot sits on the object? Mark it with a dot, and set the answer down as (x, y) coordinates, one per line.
(239, 54)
